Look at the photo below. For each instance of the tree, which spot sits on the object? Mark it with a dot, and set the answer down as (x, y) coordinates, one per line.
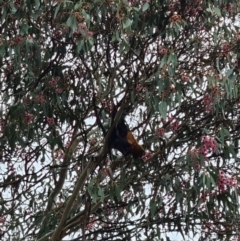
(71, 71)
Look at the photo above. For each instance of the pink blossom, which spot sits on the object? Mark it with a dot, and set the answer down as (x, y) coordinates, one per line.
(163, 51)
(226, 48)
(238, 36)
(160, 132)
(28, 117)
(110, 107)
(90, 34)
(197, 166)
(225, 181)
(208, 102)
(2, 220)
(147, 156)
(40, 98)
(58, 33)
(171, 7)
(105, 172)
(170, 118)
(138, 88)
(209, 144)
(82, 26)
(50, 121)
(175, 125)
(90, 224)
(18, 39)
(194, 153)
(59, 91)
(185, 78)
(54, 81)
(104, 103)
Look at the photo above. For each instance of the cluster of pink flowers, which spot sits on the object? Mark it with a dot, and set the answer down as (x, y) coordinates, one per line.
(226, 48)
(54, 81)
(193, 11)
(2, 220)
(53, 84)
(147, 156)
(105, 172)
(172, 7)
(107, 105)
(40, 98)
(84, 30)
(108, 210)
(16, 41)
(90, 224)
(50, 121)
(208, 102)
(230, 7)
(175, 125)
(59, 154)
(209, 144)
(160, 132)
(224, 181)
(58, 33)
(176, 18)
(215, 91)
(58, 90)
(163, 51)
(185, 78)
(28, 117)
(140, 88)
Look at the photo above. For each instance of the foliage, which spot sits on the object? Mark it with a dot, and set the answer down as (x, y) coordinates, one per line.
(65, 66)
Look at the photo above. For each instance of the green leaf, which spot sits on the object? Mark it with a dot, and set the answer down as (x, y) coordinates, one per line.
(232, 151)
(24, 29)
(86, 17)
(162, 107)
(145, 6)
(90, 186)
(21, 142)
(118, 192)
(222, 134)
(179, 196)
(229, 72)
(13, 8)
(56, 10)
(217, 11)
(112, 192)
(163, 61)
(101, 193)
(37, 4)
(127, 23)
(94, 196)
(72, 22)
(78, 5)
(90, 42)
(153, 208)
(80, 45)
